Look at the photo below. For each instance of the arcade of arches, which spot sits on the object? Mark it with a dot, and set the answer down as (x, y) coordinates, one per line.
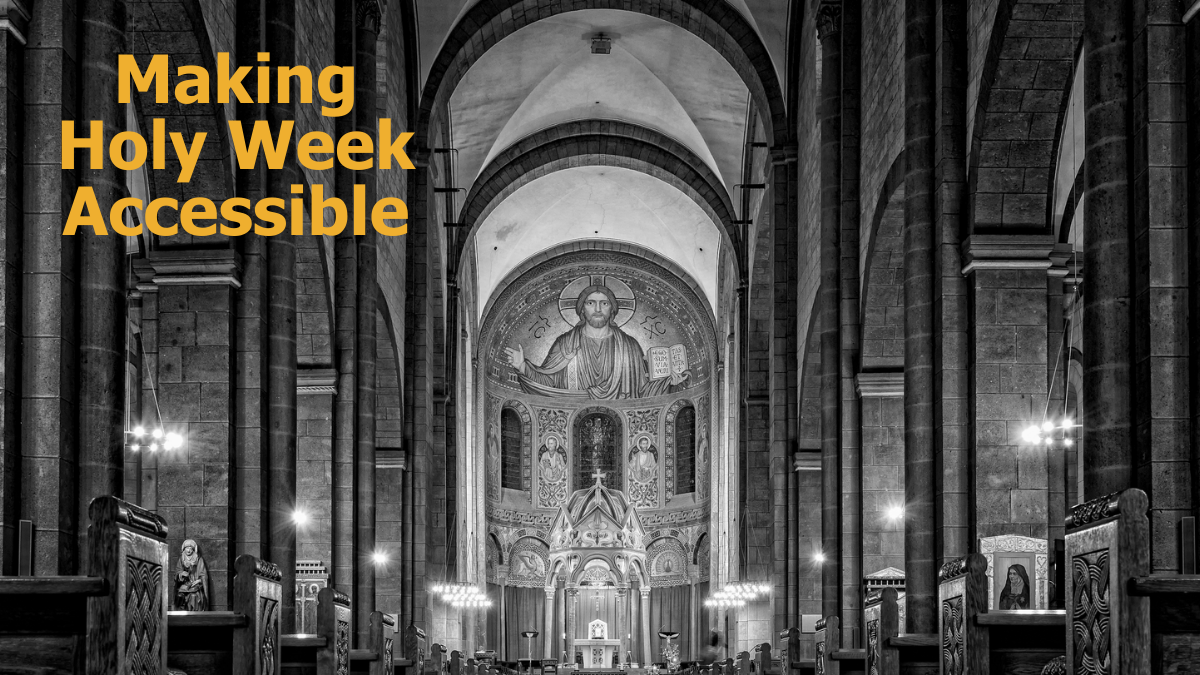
(693, 293)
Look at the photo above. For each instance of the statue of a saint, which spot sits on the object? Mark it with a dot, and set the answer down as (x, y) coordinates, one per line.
(643, 461)
(553, 461)
(191, 579)
(595, 359)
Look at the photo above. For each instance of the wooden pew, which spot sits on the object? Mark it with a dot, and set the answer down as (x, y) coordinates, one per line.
(414, 650)
(889, 651)
(328, 651)
(93, 624)
(764, 663)
(828, 641)
(975, 641)
(1119, 613)
(244, 641)
(376, 658)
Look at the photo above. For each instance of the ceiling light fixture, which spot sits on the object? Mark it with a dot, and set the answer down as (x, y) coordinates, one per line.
(601, 44)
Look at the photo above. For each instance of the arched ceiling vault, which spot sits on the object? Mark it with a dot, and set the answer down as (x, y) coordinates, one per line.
(599, 143)
(609, 203)
(556, 143)
(484, 25)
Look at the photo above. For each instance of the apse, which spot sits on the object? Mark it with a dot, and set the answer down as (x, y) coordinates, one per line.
(597, 453)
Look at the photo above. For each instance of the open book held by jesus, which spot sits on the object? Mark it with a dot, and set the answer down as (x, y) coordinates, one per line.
(667, 360)
(595, 359)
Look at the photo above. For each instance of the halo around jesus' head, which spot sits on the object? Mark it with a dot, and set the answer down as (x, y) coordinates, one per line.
(569, 298)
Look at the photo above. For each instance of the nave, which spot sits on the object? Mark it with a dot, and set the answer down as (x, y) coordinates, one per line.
(726, 336)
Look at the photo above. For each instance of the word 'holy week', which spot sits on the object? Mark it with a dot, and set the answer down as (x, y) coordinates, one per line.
(315, 150)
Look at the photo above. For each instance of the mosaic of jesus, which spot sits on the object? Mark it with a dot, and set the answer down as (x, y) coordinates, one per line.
(595, 359)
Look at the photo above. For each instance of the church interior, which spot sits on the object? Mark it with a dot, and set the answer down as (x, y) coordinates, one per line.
(724, 337)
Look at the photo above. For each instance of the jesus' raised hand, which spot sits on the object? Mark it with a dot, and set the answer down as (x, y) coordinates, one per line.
(516, 357)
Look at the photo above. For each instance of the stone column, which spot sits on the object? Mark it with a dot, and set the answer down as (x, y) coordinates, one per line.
(281, 330)
(829, 17)
(251, 517)
(951, 392)
(1007, 277)
(365, 118)
(572, 602)
(12, 59)
(623, 600)
(188, 311)
(390, 468)
(346, 292)
(850, 441)
(1165, 457)
(548, 631)
(502, 648)
(920, 476)
(882, 481)
(647, 651)
(49, 282)
(698, 611)
(101, 273)
(1107, 316)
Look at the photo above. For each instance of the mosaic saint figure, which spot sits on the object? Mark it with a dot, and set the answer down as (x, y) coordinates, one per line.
(643, 461)
(595, 359)
(553, 463)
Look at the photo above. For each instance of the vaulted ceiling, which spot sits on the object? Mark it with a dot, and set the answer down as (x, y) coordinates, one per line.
(658, 76)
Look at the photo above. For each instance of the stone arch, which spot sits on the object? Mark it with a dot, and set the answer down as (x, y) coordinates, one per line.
(701, 542)
(882, 310)
(177, 28)
(810, 384)
(720, 25)
(1023, 91)
(598, 143)
(493, 540)
(389, 409)
(664, 553)
(603, 245)
(314, 303)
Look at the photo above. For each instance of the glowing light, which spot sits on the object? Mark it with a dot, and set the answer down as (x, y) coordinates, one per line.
(157, 433)
(1031, 435)
(300, 517)
(1047, 426)
(379, 558)
(1049, 441)
(173, 441)
(154, 447)
(818, 557)
(895, 513)
(139, 431)
(1068, 423)
(1068, 442)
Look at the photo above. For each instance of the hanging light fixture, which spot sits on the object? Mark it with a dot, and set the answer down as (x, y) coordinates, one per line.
(737, 594)
(462, 595)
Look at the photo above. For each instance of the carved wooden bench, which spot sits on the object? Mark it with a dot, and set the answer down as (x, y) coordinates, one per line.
(1123, 620)
(327, 652)
(92, 624)
(376, 659)
(975, 641)
(889, 651)
(244, 641)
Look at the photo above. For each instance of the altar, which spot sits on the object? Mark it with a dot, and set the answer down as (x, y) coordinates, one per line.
(597, 653)
(597, 650)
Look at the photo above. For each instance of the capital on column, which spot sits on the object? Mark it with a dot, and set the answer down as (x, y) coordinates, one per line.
(829, 20)
(367, 15)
